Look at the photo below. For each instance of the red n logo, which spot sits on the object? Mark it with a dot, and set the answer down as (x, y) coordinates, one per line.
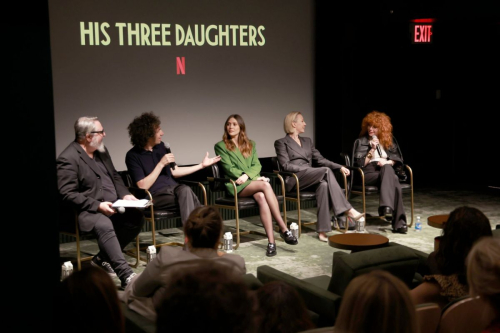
(181, 65)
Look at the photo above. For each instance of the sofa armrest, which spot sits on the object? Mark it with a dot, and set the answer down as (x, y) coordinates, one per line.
(316, 299)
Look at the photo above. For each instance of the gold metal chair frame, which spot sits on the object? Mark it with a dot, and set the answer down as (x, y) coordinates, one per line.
(236, 212)
(297, 199)
(151, 219)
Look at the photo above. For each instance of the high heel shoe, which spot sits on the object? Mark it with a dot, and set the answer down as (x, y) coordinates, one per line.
(323, 238)
(360, 217)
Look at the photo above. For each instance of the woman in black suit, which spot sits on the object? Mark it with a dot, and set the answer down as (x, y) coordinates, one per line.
(377, 154)
(296, 154)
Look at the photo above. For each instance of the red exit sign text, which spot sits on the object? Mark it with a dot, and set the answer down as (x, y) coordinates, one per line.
(421, 33)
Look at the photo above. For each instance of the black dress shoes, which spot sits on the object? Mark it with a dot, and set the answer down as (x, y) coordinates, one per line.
(388, 214)
(271, 249)
(289, 238)
(402, 230)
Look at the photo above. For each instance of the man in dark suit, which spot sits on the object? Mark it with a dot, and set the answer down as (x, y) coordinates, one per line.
(88, 181)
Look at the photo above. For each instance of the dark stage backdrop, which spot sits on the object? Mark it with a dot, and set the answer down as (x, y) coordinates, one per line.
(191, 62)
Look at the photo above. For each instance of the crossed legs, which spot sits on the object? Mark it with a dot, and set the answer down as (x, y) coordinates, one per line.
(268, 206)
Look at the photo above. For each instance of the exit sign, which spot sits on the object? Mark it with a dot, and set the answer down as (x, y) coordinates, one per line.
(422, 31)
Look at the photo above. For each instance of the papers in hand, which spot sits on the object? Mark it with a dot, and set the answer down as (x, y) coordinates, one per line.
(143, 203)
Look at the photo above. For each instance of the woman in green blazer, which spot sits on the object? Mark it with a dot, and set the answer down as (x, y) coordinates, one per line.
(241, 164)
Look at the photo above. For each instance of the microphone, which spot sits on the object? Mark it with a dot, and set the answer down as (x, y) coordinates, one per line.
(120, 210)
(172, 164)
(378, 146)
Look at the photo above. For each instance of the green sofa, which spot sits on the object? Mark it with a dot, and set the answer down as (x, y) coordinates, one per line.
(323, 294)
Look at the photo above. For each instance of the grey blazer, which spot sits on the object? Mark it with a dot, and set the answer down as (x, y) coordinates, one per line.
(79, 183)
(144, 293)
(294, 158)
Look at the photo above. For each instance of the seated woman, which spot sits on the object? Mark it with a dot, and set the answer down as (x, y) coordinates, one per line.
(281, 309)
(483, 275)
(296, 154)
(203, 231)
(241, 164)
(92, 293)
(377, 154)
(448, 280)
(376, 302)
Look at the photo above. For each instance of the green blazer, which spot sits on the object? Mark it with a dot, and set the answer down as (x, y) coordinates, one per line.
(234, 165)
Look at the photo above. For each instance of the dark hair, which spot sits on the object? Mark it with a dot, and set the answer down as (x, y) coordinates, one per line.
(203, 227)
(282, 309)
(244, 143)
(206, 297)
(376, 302)
(142, 128)
(91, 293)
(464, 227)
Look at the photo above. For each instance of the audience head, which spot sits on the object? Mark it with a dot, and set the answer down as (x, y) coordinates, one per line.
(289, 119)
(382, 122)
(206, 297)
(92, 293)
(203, 228)
(464, 227)
(376, 302)
(281, 309)
(483, 270)
(143, 128)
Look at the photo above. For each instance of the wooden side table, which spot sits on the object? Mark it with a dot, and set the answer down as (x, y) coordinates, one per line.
(437, 221)
(357, 242)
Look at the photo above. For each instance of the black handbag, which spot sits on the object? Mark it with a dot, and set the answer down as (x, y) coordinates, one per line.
(400, 172)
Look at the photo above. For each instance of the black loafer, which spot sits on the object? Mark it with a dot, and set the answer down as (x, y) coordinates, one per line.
(271, 250)
(388, 214)
(402, 230)
(289, 238)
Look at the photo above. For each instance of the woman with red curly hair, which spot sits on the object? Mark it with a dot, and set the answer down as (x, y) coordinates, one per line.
(377, 154)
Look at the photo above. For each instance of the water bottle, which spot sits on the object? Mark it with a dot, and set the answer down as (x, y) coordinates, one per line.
(66, 270)
(294, 229)
(228, 242)
(360, 226)
(418, 224)
(151, 253)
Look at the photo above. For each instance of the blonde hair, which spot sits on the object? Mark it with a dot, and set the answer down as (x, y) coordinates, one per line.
(483, 270)
(376, 302)
(289, 119)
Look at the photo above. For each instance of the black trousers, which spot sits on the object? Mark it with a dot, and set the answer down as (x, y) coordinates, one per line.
(391, 194)
(113, 234)
(175, 197)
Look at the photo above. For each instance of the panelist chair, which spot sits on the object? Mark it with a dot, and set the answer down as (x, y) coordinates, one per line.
(357, 184)
(68, 225)
(217, 183)
(153, 215)
(298, 196)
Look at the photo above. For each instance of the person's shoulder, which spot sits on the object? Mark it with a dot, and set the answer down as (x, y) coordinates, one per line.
(69, 152)
(220, 144)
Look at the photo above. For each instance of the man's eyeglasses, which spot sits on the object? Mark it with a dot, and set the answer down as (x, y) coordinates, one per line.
(98, 132)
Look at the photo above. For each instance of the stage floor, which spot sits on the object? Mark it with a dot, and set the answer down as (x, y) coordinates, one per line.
(311, 257)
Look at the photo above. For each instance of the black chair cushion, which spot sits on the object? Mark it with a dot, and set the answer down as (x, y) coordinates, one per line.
(246, 202)
(162, 213)
(303, 195)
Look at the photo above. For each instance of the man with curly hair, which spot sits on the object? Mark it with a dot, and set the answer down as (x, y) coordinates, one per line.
(152, 166)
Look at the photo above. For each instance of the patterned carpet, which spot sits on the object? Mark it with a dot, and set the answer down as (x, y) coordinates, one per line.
(312, 257)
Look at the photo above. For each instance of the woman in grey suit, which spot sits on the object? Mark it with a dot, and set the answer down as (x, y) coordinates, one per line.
(296, 154)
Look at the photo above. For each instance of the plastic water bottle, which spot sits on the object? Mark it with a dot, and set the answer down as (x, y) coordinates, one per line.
(66, 270)
(228, 242)
(418, 224)
(294, 229)
(151, 252)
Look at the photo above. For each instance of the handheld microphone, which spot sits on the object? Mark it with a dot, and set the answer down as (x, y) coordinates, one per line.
(172, 164)
(120, 210)
(378, 146)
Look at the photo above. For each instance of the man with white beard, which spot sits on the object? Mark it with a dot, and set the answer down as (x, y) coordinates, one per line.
(89, 183)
